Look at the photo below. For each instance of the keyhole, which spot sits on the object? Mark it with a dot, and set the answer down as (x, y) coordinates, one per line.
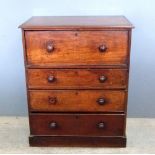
(76, 34)
(76, 116)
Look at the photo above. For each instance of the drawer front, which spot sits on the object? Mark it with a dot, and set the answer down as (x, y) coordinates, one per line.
(76, 47)
(77, 101)
(76, 78)
(77, 124)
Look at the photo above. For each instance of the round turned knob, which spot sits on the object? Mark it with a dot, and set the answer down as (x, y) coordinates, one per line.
(102, 48)
(101, 101)
(101, 125)
(50, 47)
(52, 100)
(51, 78)
(102, 78)
(53, 125)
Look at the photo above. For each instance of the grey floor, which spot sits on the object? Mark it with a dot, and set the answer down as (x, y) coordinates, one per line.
(14, 132)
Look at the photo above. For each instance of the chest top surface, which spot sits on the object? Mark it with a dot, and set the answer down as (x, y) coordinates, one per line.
(76, 22)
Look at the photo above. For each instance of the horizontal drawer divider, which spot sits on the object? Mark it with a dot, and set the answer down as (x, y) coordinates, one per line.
(123, 66)
(76, 89)
(79, 136)
(125, 89)
(69, 112)
(77, 113)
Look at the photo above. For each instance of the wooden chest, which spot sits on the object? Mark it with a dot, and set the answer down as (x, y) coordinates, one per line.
(77, 80)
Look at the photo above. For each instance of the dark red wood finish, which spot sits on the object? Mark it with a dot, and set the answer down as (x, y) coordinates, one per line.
(77, 80)
(77, 124)
(77, 100)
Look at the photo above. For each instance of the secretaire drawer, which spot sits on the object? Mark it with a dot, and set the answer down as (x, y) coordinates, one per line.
(76, 78)
(76, 47)
(77, 124)
(77, 100)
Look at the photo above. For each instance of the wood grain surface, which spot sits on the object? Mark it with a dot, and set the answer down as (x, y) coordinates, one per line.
(77, 101)
(77, 78)
(73, 47)
(76, 23)
(77, 124)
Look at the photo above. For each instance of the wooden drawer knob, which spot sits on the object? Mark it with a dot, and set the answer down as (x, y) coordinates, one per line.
(53, 125)
(51, 78)
(52, 100)
(102, 48)
(50, 47)
(101, 125)
(102, 78)
(101, 101)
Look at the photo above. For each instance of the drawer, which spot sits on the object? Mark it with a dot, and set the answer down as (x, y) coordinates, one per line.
(77, 78)
(76, 47)
(77, 101)
(77, 124)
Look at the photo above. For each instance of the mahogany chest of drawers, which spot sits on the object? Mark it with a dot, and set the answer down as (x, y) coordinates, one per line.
(77, 80)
